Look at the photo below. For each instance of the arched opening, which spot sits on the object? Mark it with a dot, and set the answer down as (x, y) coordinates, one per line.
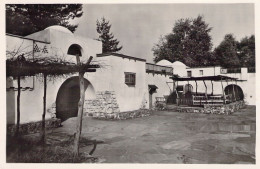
(68, 97)
(188, 88)
(75, 50)
(234, 91)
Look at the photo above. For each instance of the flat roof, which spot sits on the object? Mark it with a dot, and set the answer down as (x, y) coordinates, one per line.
(213, 78)
(22, 37)
(201, 67)
(120, 55)
(158, 65)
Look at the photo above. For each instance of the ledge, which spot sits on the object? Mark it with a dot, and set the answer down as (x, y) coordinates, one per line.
(120, 55)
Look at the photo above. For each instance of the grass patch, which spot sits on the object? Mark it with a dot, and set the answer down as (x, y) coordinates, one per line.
(21, 150)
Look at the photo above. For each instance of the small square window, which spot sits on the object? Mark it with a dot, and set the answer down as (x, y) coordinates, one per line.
(189, 73)
(201, 72)
(130, 78)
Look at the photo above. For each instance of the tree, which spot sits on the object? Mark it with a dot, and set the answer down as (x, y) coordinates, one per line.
(109, 44)
(246, 51)
(226, 53)
(189, 42)
(35, 17)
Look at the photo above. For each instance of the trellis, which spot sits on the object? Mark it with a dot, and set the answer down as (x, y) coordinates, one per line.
(218, 78)
(47, 67)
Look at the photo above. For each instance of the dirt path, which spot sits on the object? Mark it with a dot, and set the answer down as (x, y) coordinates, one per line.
(171, 137)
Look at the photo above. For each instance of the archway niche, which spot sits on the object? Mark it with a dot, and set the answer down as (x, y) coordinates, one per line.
(68, 97)
(234, 90)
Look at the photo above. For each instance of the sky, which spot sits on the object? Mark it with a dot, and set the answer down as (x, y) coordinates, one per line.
(139, 26)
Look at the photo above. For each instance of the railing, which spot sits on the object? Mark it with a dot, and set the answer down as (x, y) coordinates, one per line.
(184, 101)
(200, 100)
(152, 68)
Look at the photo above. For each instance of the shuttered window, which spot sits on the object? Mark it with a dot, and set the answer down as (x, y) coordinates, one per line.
(129, 78)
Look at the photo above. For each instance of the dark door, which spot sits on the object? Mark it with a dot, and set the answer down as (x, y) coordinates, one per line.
(67, 102)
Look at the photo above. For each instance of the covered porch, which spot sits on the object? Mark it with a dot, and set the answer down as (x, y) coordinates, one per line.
(230, 94)
(186, 99)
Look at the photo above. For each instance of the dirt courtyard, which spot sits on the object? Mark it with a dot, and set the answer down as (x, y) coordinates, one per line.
(172, 137)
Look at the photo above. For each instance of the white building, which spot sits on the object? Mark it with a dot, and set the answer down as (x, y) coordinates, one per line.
(245, 85)
(123, 83)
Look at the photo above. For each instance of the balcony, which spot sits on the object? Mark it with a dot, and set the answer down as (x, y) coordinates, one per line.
(156, 69)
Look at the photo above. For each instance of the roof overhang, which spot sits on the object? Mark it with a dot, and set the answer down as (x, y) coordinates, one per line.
(202, 78)
(153, 87)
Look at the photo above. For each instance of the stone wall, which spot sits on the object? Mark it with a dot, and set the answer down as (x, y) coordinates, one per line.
(34, 127)
(124, 115)
(211, 109)
(104, 104)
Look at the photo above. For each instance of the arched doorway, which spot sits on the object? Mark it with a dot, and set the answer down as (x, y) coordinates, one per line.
(68, 97)
(234, 90)
(188, 88)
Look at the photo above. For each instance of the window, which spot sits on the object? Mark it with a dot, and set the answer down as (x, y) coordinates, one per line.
(189, 73)
(129, 78)
(201, 72)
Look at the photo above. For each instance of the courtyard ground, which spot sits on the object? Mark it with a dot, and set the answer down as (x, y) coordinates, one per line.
(172, 137)
(163, 137)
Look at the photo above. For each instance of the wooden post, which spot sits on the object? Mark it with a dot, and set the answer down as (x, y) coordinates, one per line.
(223, 93)
(212, 88)
(227, 90)
(80, 106)
(206, 91)
(44, 109)
(196, 87)
(237, 95)
(234, 93)
(188, 86)
(18, 107)
(178, 98)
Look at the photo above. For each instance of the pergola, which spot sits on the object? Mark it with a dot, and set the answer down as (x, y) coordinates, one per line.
(218, 78)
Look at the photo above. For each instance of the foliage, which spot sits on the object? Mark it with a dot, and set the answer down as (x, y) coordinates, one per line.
(45, 65)
(109, 44)
(35, 17)
(232, 53)
(31, 150)
(246, 51)
(189, 43)
(226, 52)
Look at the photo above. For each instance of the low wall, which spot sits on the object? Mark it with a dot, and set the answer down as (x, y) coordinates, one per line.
(105, 107)
(211, 109)
(123, 115)
(105, 103)
(34, 127)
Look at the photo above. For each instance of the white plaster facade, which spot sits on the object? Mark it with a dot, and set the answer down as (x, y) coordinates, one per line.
(56, 40)
(247, 84)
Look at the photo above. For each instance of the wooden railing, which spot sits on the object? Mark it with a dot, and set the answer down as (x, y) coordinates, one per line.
(152, 68)
(200, 100)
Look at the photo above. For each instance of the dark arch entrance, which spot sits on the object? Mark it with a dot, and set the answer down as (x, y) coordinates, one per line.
(236, 92)
(68, 97)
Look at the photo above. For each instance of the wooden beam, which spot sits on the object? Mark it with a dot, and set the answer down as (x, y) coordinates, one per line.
(234, 93)
(44, 109)
(18, 107)
(212, 88)
(223, 93)
(206, 92)
(80, 107)
(196, 87)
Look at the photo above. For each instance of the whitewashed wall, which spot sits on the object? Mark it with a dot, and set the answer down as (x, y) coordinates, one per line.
(164, 88)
